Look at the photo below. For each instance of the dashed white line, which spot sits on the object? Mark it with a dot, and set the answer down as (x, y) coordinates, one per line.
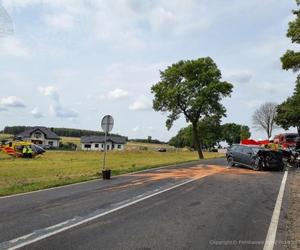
(66, 225)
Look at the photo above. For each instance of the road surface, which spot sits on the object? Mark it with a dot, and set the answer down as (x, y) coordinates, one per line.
(189, 206)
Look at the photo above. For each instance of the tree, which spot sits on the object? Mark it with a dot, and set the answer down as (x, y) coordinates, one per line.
(210, 129)
(183, 138)
(245, 132)
(291, 59)
(288, 113)
(264, 118)
(234, 133)
(193, 88)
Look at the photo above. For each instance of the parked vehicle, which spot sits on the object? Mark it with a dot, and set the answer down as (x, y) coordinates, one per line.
(15, 148)
(257, 158)
(286, 140)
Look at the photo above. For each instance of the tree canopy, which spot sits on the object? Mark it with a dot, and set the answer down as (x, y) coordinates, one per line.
(234, 133)
(291, 59)
(210, 130)
(193, 88)
(212, 133)
(288, 113)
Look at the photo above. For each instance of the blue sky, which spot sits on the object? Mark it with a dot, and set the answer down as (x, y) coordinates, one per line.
(69, 62)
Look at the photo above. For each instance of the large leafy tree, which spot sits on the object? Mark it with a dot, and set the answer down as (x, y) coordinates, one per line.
(291, 59)
(288, 113)
(193, 88)
(234, 133)
(212, 133)
(210, 128)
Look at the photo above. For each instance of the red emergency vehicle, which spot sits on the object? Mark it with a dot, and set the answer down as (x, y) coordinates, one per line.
(286, 140)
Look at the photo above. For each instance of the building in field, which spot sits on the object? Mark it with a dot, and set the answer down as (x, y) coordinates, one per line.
(41, 136)
(97, 142)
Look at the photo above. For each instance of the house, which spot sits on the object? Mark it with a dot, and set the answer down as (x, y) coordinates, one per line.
(97, 142)
(41, 136)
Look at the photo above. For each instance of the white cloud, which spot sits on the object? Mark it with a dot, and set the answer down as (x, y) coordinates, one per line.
(11, 4)
(150, 128)
(136, 129)
(61, 21)
(37, 113)
(62, 112)
(239, 76)
(132, 74)
(252, 103)
(162, 19)
(141, 104)
(10, 46)
(268, 87)
(97, 97)
(118, 94)
(12, 101)
(50, 91)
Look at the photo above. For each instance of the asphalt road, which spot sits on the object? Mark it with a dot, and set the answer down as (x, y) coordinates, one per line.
(189, 206)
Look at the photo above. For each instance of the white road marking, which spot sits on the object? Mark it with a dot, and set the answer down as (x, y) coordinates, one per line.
(66, 225)
(271, 236)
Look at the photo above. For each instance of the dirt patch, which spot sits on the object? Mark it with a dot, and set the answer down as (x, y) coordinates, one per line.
(293, 213)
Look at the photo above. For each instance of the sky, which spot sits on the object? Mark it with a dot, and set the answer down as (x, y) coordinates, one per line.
(67, 63)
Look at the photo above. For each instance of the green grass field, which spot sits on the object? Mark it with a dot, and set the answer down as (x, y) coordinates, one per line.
(5, 136)
(57, 168)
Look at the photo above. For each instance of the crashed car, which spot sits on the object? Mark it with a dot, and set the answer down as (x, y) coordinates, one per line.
(257, 158)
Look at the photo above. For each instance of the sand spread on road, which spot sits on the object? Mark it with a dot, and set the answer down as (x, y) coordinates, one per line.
(177, 174)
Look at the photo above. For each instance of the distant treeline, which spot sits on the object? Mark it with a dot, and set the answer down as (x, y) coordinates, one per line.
(68, 132)
(149, 140)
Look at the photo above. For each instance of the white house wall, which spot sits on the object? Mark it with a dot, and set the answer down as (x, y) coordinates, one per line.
(101, 146)
(55, 143)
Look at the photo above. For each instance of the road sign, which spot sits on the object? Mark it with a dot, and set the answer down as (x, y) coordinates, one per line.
(107, 123)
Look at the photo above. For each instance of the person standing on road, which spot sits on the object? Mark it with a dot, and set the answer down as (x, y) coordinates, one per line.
(272, 145)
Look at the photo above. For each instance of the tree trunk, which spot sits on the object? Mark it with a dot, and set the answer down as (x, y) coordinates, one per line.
(198, 144)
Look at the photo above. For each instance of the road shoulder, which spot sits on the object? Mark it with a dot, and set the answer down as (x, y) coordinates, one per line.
(293, 218)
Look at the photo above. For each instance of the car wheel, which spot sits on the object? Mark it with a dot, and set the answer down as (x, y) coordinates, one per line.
(230, 161)
(257, 166)
(281, 168)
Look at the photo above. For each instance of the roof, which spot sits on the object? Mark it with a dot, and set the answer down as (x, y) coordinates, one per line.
(101, 138)
(47, 132)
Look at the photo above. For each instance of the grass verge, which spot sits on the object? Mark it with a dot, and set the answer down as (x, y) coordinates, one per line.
(57, 168)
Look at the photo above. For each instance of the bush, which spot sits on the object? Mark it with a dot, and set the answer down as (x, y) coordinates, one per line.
(67, 146)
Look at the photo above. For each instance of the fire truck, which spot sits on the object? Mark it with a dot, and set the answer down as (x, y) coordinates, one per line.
(286, 140)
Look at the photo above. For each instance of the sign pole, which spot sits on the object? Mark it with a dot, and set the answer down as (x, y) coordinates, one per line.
(107, 124)
(105, 150)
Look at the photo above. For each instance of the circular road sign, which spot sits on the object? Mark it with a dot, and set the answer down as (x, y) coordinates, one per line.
(107, 123)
